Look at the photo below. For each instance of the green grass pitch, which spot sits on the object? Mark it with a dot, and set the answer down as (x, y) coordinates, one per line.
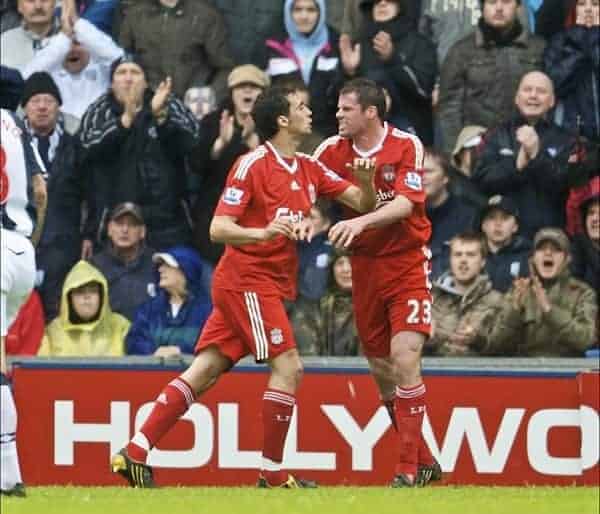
(325, 500)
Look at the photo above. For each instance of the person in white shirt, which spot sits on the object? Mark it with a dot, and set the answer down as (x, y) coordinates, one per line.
(78, 59)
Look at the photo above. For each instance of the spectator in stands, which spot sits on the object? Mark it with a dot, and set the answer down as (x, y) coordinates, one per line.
(393, 54)
(355, 12)
(572, 60)
(86, 327)
(134, 141)
(526, 158)
(586, 246)
(305, 48)
(181, 39)
(550, 17)
(25, 334)
(169, 324)
(9, 15)
(99, 12)
(464, 302)
(465, 149)
(225, 134)
(248, 23)
(507, 252)
(481, 72)
(59, 247)
(79, 59)
(39, 24)
(449, 214)
(314, 270)
(200, 100)
(126, 261)
(337, 328)
(550, 314)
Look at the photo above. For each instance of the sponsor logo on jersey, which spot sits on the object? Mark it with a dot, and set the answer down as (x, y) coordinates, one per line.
(276, 336)
(233, 196)
(333, 175)
(287, 213)
(382, 197)
(388, 173)
(413, 181)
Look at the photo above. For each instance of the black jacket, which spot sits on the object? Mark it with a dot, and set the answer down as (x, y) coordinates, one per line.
(585, 263)
(540, 189)
(408, 76)
(572, 60)
(142, 164)
(511, 261)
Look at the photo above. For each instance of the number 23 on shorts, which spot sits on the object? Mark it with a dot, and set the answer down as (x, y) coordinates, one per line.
(420, 312)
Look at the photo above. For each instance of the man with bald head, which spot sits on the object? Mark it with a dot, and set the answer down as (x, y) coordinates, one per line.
(526, 158)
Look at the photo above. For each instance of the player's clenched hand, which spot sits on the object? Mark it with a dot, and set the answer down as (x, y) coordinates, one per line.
(363, 169)
(344, 232)
(279, 227)
(304, 230)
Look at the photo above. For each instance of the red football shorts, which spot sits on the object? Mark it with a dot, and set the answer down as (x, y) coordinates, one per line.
(247, 322)
(391, 294)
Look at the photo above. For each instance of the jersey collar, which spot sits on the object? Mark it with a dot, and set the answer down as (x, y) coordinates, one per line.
(376, 148)
(289, 168)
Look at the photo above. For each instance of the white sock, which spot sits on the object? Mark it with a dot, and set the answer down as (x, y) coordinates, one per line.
(10, 472)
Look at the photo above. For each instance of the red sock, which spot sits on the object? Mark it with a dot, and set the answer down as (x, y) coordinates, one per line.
(277, 413)
(409, 408)
(172, 403)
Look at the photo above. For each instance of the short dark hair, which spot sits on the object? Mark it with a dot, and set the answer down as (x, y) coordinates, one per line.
(471, 237)
(271, 103)
(440, 157)
(368, 94)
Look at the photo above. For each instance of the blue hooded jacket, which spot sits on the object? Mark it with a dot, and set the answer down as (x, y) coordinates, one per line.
(154, 324)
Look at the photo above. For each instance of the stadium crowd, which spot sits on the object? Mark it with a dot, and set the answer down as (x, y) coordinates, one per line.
(139, 108)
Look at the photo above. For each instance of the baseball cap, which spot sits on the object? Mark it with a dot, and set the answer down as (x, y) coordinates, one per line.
(127, 208)
(165, 257)
(248, 74)
(501, 202)
(556, 235)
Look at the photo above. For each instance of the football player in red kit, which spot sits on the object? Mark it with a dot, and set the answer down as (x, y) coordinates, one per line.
(390, 266)
(262, 213)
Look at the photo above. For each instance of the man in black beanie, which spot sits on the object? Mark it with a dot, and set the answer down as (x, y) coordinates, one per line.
(481, 73)
(60, 241)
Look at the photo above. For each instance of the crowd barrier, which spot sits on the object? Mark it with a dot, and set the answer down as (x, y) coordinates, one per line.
(489, 421)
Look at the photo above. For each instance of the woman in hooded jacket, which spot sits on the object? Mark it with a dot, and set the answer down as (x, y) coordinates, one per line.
(86, 325)
(169, 324)
(306, 49)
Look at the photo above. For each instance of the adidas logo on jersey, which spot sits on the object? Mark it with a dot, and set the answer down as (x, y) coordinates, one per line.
(295, 186)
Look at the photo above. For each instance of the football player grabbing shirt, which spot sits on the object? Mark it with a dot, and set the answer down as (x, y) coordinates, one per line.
(263, 211)
(390, 266)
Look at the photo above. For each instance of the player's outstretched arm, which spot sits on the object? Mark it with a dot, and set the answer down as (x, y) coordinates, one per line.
(225, 229)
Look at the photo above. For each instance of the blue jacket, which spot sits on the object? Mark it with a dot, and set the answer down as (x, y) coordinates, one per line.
(154, 324)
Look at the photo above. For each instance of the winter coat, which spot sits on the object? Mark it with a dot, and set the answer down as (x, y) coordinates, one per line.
(408, 76)
(510, 262)
(314, 261)
(281, 62)
(154, 324)
(102, 337)
(585, 263)
(338, 335)
(129, 283)
(186, 42)
(212, 177)
(540, 189)
(566, 331)
(143, 164)
(447, 220)
(479, 79)
(452, 311)
(572, 60)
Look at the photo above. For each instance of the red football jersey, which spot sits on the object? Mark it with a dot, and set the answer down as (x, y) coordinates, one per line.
(399, 164)
(262, 186)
